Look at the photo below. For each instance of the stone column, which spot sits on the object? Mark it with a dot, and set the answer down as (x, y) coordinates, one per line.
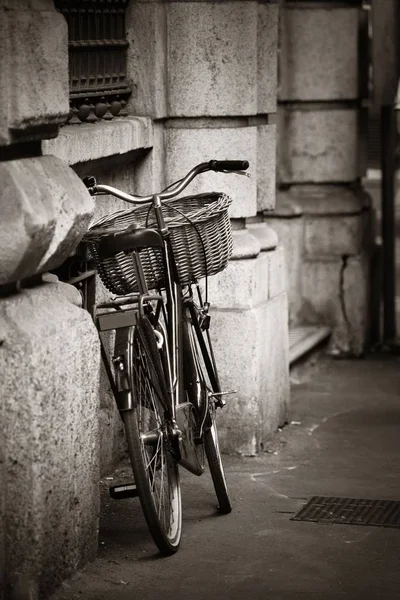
(211, 78)
(49, 356)
(322, 151)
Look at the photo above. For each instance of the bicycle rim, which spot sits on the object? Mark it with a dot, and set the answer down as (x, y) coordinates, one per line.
(154, 468)
(210, 436)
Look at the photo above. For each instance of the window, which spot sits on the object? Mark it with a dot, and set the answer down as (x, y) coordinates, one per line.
(97, 48)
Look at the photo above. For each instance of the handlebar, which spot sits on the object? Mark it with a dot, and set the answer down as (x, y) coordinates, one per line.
(222, 166)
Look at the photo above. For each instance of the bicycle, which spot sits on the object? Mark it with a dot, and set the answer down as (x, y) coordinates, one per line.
(165, 381)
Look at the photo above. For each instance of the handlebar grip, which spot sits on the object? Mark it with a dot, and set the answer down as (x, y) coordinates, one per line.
(228, 165)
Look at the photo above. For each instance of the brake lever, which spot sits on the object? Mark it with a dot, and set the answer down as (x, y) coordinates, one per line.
(238, 173)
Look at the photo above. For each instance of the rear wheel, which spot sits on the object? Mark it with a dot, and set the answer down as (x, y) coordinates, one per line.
(207, 372)
(149, 442)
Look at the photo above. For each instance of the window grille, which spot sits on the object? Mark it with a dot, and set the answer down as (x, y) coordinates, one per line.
(97, 48)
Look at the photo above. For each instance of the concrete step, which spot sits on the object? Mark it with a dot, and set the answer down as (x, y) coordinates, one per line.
(303, 339)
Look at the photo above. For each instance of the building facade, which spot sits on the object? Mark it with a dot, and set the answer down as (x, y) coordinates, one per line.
(186, 82)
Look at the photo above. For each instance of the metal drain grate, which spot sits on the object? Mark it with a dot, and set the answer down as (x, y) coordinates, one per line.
(351, 511)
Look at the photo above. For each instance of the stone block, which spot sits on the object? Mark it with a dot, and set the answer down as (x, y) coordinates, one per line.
(277, 272)
(187, 147)
(350, 335)
(4, 78)
(336, 293)
(113, 446)
(274, 391)
(332, 200)
(147, 58)
(212, 58)
(45, 211)
(319, 53)
(317, 145)
(121, 176)
(149, 170)
(333, 235)
(252, 357)
(91, 141)
(2, 515)
(266, 236)
(290, 234)
(267, 67)
(246, 284)
(37, 104)
(321, 291)
(245, 244)
(266, 167)
(49, 421)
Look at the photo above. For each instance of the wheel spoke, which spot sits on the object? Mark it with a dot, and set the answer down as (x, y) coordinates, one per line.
(154, 468)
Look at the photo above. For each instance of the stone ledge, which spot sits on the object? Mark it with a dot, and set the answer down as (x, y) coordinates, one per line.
(329, 200)
(91, 141)
(286, 207)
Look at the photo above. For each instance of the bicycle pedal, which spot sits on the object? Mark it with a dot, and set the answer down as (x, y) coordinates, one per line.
(120, 492)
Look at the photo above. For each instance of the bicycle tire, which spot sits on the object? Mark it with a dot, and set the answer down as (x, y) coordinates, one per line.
(154, 467)
(210, 435)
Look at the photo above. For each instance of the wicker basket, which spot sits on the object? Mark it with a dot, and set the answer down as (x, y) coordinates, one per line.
(201, 240)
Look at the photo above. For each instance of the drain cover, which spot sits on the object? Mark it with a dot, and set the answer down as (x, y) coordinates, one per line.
(352, 511)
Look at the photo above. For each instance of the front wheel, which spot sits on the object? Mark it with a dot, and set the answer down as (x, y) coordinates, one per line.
(214, 460)
(148, 437)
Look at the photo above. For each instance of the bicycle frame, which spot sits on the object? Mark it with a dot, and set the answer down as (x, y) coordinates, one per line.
(164, 380)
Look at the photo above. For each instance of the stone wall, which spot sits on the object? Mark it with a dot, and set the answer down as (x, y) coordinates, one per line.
(210, 79)
(203, 76)
(323, 216)
(49, 356)
(115, 153)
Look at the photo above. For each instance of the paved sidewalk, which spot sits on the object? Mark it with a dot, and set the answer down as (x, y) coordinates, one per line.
(344, 440)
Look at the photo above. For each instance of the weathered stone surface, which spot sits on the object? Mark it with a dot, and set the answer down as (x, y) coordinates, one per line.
(252, 356)
(351, 334)
(149, 171)
(120, 176)
(90, 141)
(2, 515)
(329, 200)
(277, 272)
(266, 167)
(147, 58)
(319, 53)
(202, 58)
(290, 234)
(336, 293)
(267, 67)
(318, 145)
(245, 244)
(4, 77)
(112, 434)
(266, 236)
(248, 283)
(243, 285)
(45, 211)
(250, 332)
(321, 291)
(274, 391)
(187, 147)
(49, 421)
(33, 71)
(334, 235)
(212, 58)
(71, 293)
